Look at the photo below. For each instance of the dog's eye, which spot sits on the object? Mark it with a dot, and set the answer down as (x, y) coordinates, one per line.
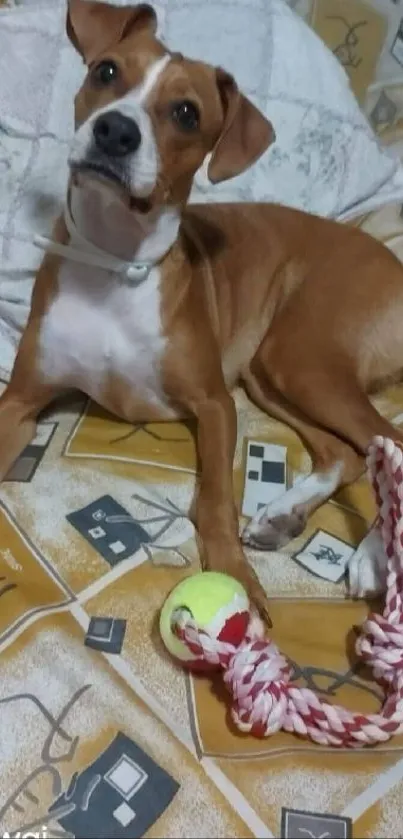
(186, 115)
(104, 73)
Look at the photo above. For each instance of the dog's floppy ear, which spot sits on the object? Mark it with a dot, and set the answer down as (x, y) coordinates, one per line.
(94, 27)
(245, 136)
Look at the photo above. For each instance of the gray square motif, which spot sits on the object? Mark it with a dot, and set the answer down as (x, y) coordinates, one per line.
(110, 529)
(100, 628)
(297, 824)
(119, 796)
(126, 777)
(106, 635)
(273, 473)
(24, 468)
(256, 451)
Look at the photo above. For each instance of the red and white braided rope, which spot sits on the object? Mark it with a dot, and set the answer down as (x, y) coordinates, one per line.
(258, 675)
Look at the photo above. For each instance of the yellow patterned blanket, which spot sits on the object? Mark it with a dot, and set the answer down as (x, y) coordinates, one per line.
(100, 734)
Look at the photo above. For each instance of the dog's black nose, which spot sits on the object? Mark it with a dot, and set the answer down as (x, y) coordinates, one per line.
(115, 134)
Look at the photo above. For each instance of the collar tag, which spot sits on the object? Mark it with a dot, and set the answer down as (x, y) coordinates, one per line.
(138, 272)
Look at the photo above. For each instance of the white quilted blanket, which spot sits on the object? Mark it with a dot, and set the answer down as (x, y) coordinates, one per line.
(326, 158)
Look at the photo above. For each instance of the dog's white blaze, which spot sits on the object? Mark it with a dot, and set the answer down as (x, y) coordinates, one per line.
(318, 485)
(150, 79)
(144, 163)
(98, 327)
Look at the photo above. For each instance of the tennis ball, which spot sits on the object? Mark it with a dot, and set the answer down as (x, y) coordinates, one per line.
(217, 603)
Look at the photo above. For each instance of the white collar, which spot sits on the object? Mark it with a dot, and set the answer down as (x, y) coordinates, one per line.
(84, 251)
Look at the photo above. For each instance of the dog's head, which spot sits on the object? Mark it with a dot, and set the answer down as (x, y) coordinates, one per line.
(146, 118)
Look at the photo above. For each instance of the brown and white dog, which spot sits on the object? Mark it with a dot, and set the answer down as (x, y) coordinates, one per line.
(156, 310)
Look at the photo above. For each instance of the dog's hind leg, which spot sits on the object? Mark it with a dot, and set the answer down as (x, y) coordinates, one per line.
(328, 408)
(334, 464)
(336, 420)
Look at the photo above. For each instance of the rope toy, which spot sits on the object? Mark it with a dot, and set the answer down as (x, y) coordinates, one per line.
(206, 624)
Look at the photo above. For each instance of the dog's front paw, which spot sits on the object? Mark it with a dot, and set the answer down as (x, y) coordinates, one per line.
(367, 567)
(267, 533)
(245, 574)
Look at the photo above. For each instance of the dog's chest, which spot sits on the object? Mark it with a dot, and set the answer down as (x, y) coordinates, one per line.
(99, 329)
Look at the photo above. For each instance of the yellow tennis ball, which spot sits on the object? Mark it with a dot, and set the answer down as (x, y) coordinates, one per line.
(217, 603)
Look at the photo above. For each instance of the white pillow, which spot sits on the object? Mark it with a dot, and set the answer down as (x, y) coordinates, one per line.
(326, 158)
